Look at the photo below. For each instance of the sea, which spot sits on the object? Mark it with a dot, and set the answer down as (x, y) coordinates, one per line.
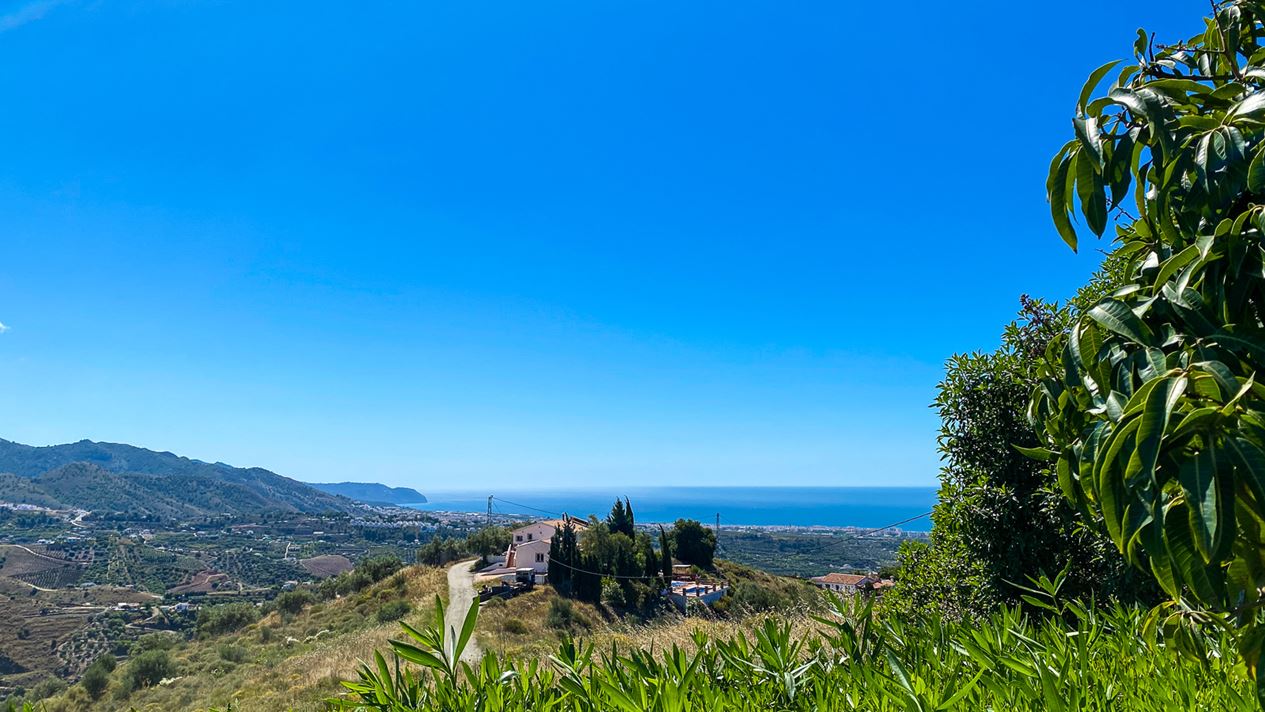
(868, 507)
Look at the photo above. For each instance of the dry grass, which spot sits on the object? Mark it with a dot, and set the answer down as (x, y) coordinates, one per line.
(519, 627)
(284, 664)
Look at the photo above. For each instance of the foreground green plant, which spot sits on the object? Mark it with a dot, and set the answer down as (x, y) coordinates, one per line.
(1153, 406)
(1078, 658)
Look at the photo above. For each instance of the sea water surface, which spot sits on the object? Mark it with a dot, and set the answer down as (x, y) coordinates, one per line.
(757, 506)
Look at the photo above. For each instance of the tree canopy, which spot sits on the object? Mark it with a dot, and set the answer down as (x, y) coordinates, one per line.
(1151, 407)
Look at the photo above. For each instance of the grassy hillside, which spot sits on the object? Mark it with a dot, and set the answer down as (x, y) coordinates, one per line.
(279, 662)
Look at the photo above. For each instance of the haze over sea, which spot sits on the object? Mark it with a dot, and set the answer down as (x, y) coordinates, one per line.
(755, 506)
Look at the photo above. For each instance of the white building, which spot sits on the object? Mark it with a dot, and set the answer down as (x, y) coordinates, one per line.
(529, 545)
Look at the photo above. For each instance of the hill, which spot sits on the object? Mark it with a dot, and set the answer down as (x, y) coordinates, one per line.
(114, 477)
(371, 492)
(279, 661)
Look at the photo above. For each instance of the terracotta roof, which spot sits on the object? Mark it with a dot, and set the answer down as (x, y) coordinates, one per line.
(845, 579)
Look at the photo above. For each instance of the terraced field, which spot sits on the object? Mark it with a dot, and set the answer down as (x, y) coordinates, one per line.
(36, 627)
(35, 566)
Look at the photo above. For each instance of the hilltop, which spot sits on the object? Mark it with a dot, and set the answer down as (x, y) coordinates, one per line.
(371, 492)
(112, 477)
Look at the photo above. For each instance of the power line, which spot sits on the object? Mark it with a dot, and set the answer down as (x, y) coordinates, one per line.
(598, 573)
(889, 526)
(527, 506)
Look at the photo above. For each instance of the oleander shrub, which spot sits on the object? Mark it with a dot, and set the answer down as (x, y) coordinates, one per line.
(1078, 657)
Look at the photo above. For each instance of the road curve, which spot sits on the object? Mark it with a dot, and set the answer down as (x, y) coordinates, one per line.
(460, 595)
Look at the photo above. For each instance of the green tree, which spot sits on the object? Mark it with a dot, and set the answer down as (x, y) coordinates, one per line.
(620, 520)
(1000, 518)
(96, 678)
(665, 554)
(488, 541)
(693, 543)
(291, 603)
(563, 559)
(226, 618)
(149, 668)
(1151, 408)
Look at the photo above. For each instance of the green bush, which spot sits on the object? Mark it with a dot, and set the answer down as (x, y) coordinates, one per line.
(96, 678)
(148, 669)
(232, 653)
(564, 616)
(514, 626)
(752, 596)
(393, 611)
(162, 640)
(1081, 658)
(291, 603)
(226, 618)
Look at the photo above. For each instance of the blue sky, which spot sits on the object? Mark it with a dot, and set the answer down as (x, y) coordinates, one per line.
(506, 244)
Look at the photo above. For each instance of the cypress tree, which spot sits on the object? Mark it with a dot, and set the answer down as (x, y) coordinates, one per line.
(665, 553)
(650, 560)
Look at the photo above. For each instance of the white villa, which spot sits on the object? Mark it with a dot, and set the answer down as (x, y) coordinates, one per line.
(529, 545)
(843, 583)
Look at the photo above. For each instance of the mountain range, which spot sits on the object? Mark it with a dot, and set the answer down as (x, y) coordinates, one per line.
(371, 492)
(112, 477)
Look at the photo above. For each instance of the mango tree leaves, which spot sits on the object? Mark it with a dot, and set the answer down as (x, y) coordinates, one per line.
(1150, 407)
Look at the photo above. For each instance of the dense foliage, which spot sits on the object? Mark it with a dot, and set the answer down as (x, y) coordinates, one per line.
(1151, 407)
(1000, 517)
(226, 618)
(613, 562)
(852, 660)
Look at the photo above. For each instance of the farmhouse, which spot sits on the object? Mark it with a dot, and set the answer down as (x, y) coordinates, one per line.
(529, 545)
(844, 583)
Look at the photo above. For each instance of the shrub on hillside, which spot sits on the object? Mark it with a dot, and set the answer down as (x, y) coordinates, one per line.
(367, 572)
(162, 640)
(148, 669)
(226, 618)
(291, 603)
(563, 615)
(96, 678)
(514, 626)
(232, 653)
(393, 611)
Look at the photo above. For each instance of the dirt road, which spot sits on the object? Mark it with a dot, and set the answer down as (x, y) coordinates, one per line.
(460, 594)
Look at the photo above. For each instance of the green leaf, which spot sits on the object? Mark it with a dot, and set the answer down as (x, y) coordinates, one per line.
(1252, 459)
(1253, 107)
(1155, 416)
(1056, 193)
(1091, 190)
(1036, 453)
(1186, 560)
(1198, 479)
(1174, 263)
(1090, 84)
(467, 628)
(1256, 171)
(1091, 140)
(1117, 317)
(415, 654)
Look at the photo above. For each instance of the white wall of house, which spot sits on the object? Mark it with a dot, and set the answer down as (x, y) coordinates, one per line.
(533, 554)
(532, 532)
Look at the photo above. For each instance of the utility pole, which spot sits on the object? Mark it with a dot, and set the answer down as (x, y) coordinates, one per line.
(489, 510)
(717, 530)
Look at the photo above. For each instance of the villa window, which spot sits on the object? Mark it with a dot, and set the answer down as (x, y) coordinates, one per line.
(529, 537)
(518, 537)
(540, 558)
